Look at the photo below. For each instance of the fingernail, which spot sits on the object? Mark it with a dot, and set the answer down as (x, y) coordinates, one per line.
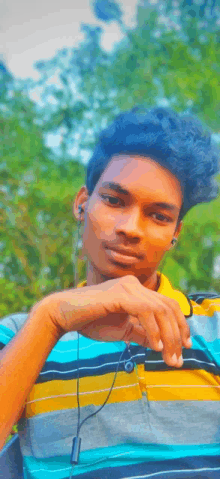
(180, 360)
(160, 344)
(189, 342)
(174, 358)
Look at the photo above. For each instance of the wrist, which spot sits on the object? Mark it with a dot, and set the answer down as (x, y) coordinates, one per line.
(43, 315)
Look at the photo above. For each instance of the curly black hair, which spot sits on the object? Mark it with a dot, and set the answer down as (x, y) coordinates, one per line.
(176, 141)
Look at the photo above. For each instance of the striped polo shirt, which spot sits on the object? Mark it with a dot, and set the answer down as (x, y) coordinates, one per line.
(159, 422)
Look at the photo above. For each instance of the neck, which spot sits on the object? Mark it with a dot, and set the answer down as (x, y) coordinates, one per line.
(95, 277)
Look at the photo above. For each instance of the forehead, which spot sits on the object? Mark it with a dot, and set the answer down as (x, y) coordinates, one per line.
(142, 176)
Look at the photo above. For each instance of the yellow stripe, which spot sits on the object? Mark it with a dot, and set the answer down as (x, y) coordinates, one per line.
(57, 394)
(174, 385)
(177, 385)
(182, 385)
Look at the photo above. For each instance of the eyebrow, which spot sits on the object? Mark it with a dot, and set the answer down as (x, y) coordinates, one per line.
(122, 191)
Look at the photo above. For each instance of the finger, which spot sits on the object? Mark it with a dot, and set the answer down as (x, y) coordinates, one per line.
(139, 334)
(182, 322)
(133, 302)
(183, 326)
(158, 320)
(168, 319)
(153, 316)
(136, 334)
(169, 335)
(171, 317)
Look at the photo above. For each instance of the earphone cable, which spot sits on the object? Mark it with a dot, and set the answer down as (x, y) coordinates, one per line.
(77, 440)
(77, 388)
(75, 256)
(107, 398)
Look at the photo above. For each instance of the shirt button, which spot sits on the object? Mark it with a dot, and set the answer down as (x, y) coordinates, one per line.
(129, 366)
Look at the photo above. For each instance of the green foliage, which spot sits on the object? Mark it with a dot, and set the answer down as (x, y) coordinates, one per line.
(192, 264)
(37, 225)
(170, 57)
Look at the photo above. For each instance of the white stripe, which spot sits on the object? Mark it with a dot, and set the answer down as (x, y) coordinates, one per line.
(83, 465)
(171, 472)
(130, 477)
(87, 367)
(107, 364)
(78, 369)
(188, 359)
(75, 350)
(47, 470)
(179, 386)
(81, 393)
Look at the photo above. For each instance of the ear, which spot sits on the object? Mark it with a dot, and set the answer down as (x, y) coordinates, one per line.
(178, 229)
(80, 200)
(176, 233)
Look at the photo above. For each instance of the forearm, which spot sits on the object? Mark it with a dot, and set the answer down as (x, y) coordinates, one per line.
(21, 362)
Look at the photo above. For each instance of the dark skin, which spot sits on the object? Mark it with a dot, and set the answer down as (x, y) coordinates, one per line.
(141, 215)
(134, 220)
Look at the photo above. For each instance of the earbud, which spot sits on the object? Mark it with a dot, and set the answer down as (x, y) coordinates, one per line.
(174, 240)
(80, 209)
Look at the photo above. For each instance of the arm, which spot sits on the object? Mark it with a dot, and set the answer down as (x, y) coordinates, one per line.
(116, 310)
(21, 362)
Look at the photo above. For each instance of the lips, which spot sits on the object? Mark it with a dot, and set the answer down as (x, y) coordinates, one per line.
(122, 256)
(124, 251)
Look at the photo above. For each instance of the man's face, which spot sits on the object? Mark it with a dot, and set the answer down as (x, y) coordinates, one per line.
(134, 207)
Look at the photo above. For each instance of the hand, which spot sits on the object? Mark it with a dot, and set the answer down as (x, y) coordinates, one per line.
(123, 309)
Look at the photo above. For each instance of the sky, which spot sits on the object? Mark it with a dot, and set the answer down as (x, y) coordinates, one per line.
(34, 30)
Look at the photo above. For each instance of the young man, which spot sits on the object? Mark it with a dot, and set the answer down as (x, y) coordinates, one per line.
(160, 415)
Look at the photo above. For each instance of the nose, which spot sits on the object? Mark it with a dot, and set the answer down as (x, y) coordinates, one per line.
(129, 225)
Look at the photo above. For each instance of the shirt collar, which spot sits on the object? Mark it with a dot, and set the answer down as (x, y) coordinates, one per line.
(167, 290)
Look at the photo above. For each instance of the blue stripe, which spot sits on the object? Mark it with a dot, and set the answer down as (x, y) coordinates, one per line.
(128, 460)
(192, 359)
(211, 350)
(199, 297)
(187, 468)
(5, 334)
(104, 364)
(66, 351)
(208, 327)
(97, 366)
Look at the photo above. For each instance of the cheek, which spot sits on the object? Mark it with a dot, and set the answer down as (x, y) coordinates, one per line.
(160, 237)
(100, 222)
(93, 229)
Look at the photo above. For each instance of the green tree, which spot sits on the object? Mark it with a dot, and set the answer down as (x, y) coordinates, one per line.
(171, 57)
(37, 227)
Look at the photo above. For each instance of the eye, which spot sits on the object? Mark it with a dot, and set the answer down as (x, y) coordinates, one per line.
(112, 200)
(162, 218)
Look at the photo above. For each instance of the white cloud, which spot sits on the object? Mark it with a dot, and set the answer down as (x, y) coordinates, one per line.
(32, 31)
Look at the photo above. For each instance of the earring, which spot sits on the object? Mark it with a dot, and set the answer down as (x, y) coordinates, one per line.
(174, 240)
(80, 210)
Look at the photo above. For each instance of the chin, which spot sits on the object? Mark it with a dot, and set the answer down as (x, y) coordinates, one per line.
(118, 271)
